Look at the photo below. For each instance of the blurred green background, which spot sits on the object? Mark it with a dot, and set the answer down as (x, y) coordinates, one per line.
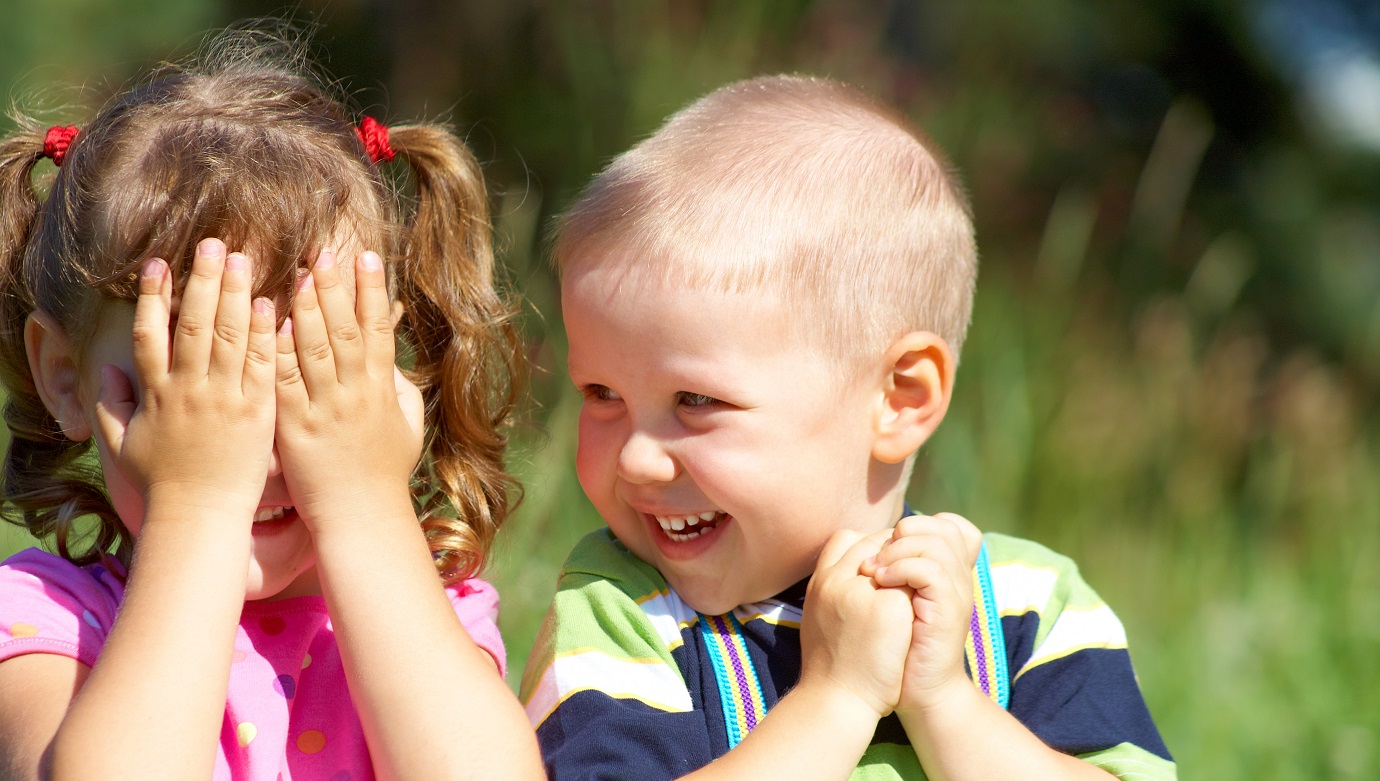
(1174, 367)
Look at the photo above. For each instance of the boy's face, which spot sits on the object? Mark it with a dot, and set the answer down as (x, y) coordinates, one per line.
(704, 405)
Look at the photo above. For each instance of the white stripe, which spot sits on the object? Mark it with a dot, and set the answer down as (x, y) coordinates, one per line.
(773, 610)
(1021, 588)
(668, 614)
(654, 683)
(1076, 630)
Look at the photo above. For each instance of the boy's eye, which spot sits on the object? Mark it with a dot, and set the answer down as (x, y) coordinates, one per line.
(688, 399)
(599, 393)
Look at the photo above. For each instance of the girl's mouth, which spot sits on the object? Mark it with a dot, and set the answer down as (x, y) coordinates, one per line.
(683, 528)
(268, 514)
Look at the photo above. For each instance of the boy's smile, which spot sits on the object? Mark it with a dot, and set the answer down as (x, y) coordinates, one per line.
(717, 446)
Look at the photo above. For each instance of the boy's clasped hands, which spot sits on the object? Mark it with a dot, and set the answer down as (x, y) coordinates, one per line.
(886, 615)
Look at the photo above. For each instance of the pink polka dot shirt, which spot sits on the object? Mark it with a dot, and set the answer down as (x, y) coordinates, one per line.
(288, 714)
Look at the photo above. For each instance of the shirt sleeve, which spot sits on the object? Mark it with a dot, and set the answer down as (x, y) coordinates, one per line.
(49, 605)
(602, 688)
(475, 603)
(1072, 680)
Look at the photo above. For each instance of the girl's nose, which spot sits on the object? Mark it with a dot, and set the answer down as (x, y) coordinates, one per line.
(644, 459)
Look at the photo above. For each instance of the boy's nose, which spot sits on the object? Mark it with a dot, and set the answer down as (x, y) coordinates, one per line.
(643, 459)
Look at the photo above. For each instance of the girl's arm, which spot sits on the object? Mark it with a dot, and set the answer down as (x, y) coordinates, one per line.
(35, 691)
(428, 698)
(153, 704)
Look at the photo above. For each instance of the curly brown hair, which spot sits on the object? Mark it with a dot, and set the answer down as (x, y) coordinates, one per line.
(248, 144)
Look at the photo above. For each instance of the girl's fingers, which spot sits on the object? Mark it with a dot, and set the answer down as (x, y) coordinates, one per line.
(261, 354)
(230, 337)
(315, 359)
(152, 312)
(115, 406)
(191, 351)
(374, 312)
(290, 390)
(338, 315)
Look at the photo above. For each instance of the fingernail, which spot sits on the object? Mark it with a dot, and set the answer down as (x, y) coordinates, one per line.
(263, 306)
(154, 268)
(371, 261)
(211, 248)
(286, 328)
(304, 281)
(326, 259)
(235, 262)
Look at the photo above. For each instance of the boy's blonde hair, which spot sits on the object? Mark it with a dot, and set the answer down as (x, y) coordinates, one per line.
(802, 185)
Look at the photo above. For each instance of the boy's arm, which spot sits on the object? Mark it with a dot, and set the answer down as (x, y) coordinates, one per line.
(1086, 700)
(608, 701)
(850, 675)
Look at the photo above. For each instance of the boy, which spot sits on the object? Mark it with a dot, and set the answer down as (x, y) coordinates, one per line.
(765, 302)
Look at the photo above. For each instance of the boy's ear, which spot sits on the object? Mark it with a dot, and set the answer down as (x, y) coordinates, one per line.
(916, 388)
(53, 365)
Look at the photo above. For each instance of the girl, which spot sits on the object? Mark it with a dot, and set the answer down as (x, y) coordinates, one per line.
(254, 596)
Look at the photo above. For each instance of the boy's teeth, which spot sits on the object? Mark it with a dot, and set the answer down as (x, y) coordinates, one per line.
(270, 514)
(680, 523)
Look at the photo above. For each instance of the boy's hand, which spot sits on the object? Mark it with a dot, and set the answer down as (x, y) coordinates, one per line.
(934, 557)
(349, 425)
(854, 635)
(199, 429)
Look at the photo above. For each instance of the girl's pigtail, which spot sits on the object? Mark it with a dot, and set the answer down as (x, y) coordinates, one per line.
(45, 476)
(458, 333)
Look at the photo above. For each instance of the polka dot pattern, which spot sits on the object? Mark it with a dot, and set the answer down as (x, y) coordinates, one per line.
(306, 661)
(272, 625)
(90, 619)
(245, 733)
(21, 629)
(311, 741)
(285, 685)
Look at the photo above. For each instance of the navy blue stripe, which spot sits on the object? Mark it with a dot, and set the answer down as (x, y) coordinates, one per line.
(1085, 702)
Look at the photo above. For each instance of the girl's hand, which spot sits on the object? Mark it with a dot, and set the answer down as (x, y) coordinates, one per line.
(349, 425)
(199, 428)
(934, 557)
(854, 635)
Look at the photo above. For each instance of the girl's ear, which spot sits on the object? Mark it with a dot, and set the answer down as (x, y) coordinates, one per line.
(53, 365)
(916, 388)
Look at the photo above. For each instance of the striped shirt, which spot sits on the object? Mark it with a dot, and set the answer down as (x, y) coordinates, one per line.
(622, 682)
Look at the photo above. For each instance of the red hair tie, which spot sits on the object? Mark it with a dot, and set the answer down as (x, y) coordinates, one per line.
(375, 139)
(57, 140)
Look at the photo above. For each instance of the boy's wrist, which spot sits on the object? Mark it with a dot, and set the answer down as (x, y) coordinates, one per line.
(939, 703)
(836, 699)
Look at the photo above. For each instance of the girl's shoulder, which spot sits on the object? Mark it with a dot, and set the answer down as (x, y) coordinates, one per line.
(51, 605)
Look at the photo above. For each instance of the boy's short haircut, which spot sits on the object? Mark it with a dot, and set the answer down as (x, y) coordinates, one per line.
(800, 184)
